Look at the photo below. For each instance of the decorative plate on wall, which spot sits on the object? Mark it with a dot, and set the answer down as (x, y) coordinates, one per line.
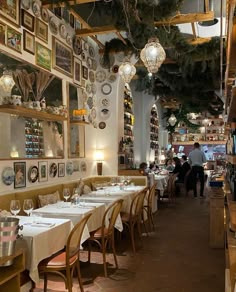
(100, 76)
(62, 30)
(93, 113)
(69, 168)
(8, 176)
(115, 69)
(44, 14)
(89, 63)
(84, 96)
(53, 170)
(91, 52)
(105, 114)
(83, 166)
(69, 39)
(90, 102)
(106, 88)
(83, 56)
(93, 88)
(53, 25)
(104, 102)
(111, 78)
(95, 65)
(86, 46)
(33, 174)
(91, 76)
(77, 45)
(102, 125)
(88, 88)
(25, 4)
(36, 8)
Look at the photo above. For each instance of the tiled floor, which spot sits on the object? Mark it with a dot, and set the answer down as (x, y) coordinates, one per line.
(174, 258)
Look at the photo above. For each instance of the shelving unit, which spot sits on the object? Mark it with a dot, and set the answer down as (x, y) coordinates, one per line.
(154, 132)
(34, 146)
(10, 275)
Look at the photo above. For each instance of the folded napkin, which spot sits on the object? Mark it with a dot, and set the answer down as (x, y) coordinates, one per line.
(42, 224)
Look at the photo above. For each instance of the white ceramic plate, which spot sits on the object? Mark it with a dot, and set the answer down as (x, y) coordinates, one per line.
(69, 39)
(91, 76)
(100, 76)
(105, 114)
(53, 25)
(111, 78)
(88, 88)
(25, 4)
(36, 8)
(104, 102)
(62, 30)
(91, 52)
(44, 14)
(93, 88)
(106, 88)
(8, 176)
(89, 63)
(77, 45)
(90, 102)
(93, 113)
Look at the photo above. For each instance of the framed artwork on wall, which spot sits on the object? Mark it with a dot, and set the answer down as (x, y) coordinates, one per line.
(77, 71)
(28, 42)
(20, 175)
(10, 10)
(61, 169)
(3, 29)
(43, 171)
(27, 20)
(13, 39)
(62, 57)
(85, 72)
(41, 30)
(43, 56)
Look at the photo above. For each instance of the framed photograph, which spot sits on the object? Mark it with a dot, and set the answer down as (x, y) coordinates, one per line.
(41, 30)
(27, 20)
(77, 71)
(28, 42)
(10, 10)
(62, 57)
(61, 169)
(85, 72)
(43, 171)
(43, 56)
(3, 29)
(13, 39)
(72, 20)
(20, 175)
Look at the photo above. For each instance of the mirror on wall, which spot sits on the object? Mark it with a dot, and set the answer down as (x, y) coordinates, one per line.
(30, 138)
(76, 129)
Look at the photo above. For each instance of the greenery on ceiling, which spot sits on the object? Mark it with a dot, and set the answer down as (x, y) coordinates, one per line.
(195, 74)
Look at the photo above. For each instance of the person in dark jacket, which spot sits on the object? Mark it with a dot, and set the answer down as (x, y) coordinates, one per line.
(184, 169)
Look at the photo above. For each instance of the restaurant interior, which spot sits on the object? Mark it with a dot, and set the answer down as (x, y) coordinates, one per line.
(89, 90)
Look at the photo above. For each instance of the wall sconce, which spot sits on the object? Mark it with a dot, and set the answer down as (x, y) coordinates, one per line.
(14, 153)
(99, 157)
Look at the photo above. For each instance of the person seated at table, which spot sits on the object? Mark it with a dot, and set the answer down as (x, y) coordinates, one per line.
(177, 163)
(185, 167)
(169, 165)
(143, 169)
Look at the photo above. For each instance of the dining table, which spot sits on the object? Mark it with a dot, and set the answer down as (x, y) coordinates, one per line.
(40, 238)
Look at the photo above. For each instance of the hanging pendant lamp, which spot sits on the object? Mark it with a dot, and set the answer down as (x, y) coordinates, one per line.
(172, 120)
(127, 71)
(153, 55)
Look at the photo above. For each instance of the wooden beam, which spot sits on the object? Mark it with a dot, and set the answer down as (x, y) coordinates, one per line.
(121, 37)
(70, 2)
(96, 30)
(186, 18)
(206, 3)
(193, 30)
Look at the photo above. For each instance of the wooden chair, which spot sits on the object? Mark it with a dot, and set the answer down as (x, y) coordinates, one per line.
(64, 262)
(169, 192)
(105, 234)
(148, 207)
(134, 217)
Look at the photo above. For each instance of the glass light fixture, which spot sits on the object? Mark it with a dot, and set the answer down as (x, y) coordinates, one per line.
(6, 81)
(153, 55)
(127, 71)
(99, 157)
(172, 120)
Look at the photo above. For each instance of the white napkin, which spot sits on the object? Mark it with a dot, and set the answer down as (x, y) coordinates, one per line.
(42, 224)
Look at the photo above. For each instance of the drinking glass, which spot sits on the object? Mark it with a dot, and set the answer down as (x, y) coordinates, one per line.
(66, 193)
(15, 207)
(28, 206)
(128, 179)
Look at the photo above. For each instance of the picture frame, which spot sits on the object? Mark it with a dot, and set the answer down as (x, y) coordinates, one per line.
(61, 169)
(62, 57)
(43, 171)
(43, 56)
(77, 71)
(27, 20)
(28, 42)
(10, 10)
(13, 39)
(85, 72)
(20, 174)
(3, 29)
(41, 30)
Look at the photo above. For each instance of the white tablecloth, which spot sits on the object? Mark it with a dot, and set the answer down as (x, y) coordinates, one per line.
(161, 182)
(41, 241)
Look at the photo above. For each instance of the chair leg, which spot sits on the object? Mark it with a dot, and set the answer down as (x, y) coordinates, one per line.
(89, 251)
(132, 237)
(114, 250)
(144, 224)
(45, 282)
(151, 219)
(79, 276)
(104, 243)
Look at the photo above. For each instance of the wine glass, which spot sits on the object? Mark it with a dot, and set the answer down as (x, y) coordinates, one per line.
(15, 207)
(66, 193)
(28, 206)
(128, 179)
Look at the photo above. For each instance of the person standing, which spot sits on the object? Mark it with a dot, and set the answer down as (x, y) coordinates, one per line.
(197, 159)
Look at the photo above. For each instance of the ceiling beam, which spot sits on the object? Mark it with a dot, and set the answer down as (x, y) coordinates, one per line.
(186, 18)
(96, 30)
(70, 2)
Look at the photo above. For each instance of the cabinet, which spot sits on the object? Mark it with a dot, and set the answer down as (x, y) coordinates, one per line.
(126, 145)
(211, 131)
(10, 275)
(34, 145)
(154, 132)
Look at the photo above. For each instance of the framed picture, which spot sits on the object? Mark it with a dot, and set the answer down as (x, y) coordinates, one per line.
(28, 42)
(10, 10)
(77, 71)
(61, 169)
(85, 72)
(3, 29)
(43, 171)
(41, 30)
(43, 56)
(72, 20)
(13, 39)
(20, 175)
(62, 57)
(27, 20)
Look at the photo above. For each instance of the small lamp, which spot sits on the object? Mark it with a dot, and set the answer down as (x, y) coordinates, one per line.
(6, 81)
(99, 157)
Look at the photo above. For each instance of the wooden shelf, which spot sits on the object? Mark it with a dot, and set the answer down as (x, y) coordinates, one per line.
(82, 123)
(201, 142)
(30, 113)
(231, 158)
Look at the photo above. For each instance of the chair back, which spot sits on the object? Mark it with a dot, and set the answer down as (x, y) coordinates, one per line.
(173, 179)
(136, 206)
(110, 216)
(74, 239)
(151, 194)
